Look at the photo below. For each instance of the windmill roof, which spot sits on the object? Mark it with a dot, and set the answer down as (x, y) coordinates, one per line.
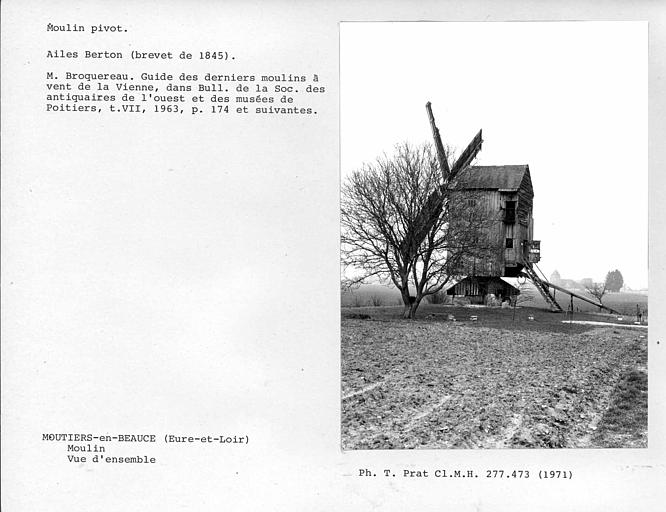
(492, 177)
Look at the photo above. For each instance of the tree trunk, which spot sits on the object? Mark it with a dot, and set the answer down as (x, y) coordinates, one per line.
(411, 305)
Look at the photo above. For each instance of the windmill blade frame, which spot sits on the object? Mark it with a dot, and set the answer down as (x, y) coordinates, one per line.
(468, 155)
(439, 147)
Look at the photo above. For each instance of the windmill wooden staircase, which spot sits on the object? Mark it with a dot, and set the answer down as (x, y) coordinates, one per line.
(542, 286)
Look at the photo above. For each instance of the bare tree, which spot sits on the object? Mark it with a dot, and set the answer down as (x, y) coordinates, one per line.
(357, 302)
(597, 290)
(402, 223)
(376, 300)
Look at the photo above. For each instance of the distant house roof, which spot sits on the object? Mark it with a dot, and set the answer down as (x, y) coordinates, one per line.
(492, 177)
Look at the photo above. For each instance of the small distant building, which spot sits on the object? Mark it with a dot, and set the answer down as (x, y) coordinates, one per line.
(555, 277)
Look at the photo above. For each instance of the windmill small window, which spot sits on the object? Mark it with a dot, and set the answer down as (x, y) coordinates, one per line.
(510, 212)
(509, 243)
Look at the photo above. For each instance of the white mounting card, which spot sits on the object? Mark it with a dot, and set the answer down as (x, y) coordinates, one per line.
(171, 184)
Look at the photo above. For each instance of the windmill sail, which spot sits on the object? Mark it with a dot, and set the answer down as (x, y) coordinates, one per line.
(441, 154)
(429, 214)
(468, 155)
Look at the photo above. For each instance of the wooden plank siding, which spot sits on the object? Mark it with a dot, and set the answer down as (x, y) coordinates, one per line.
(496, 188)
(476, 288)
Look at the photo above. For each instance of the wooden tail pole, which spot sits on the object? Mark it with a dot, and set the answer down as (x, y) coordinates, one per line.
(582, 297)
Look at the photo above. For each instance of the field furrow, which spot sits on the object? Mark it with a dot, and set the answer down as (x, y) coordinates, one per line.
(450, 385)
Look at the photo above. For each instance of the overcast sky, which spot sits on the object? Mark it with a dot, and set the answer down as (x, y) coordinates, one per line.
(567, 98)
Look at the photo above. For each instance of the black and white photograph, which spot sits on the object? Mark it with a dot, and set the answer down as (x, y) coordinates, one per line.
(494, 235)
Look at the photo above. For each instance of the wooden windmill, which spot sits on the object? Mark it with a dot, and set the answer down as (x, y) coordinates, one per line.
(506, 194)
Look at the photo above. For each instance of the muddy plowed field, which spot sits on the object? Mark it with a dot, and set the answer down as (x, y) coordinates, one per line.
(453, 385)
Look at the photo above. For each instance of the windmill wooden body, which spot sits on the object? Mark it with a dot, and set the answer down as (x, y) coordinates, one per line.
(505, 195)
